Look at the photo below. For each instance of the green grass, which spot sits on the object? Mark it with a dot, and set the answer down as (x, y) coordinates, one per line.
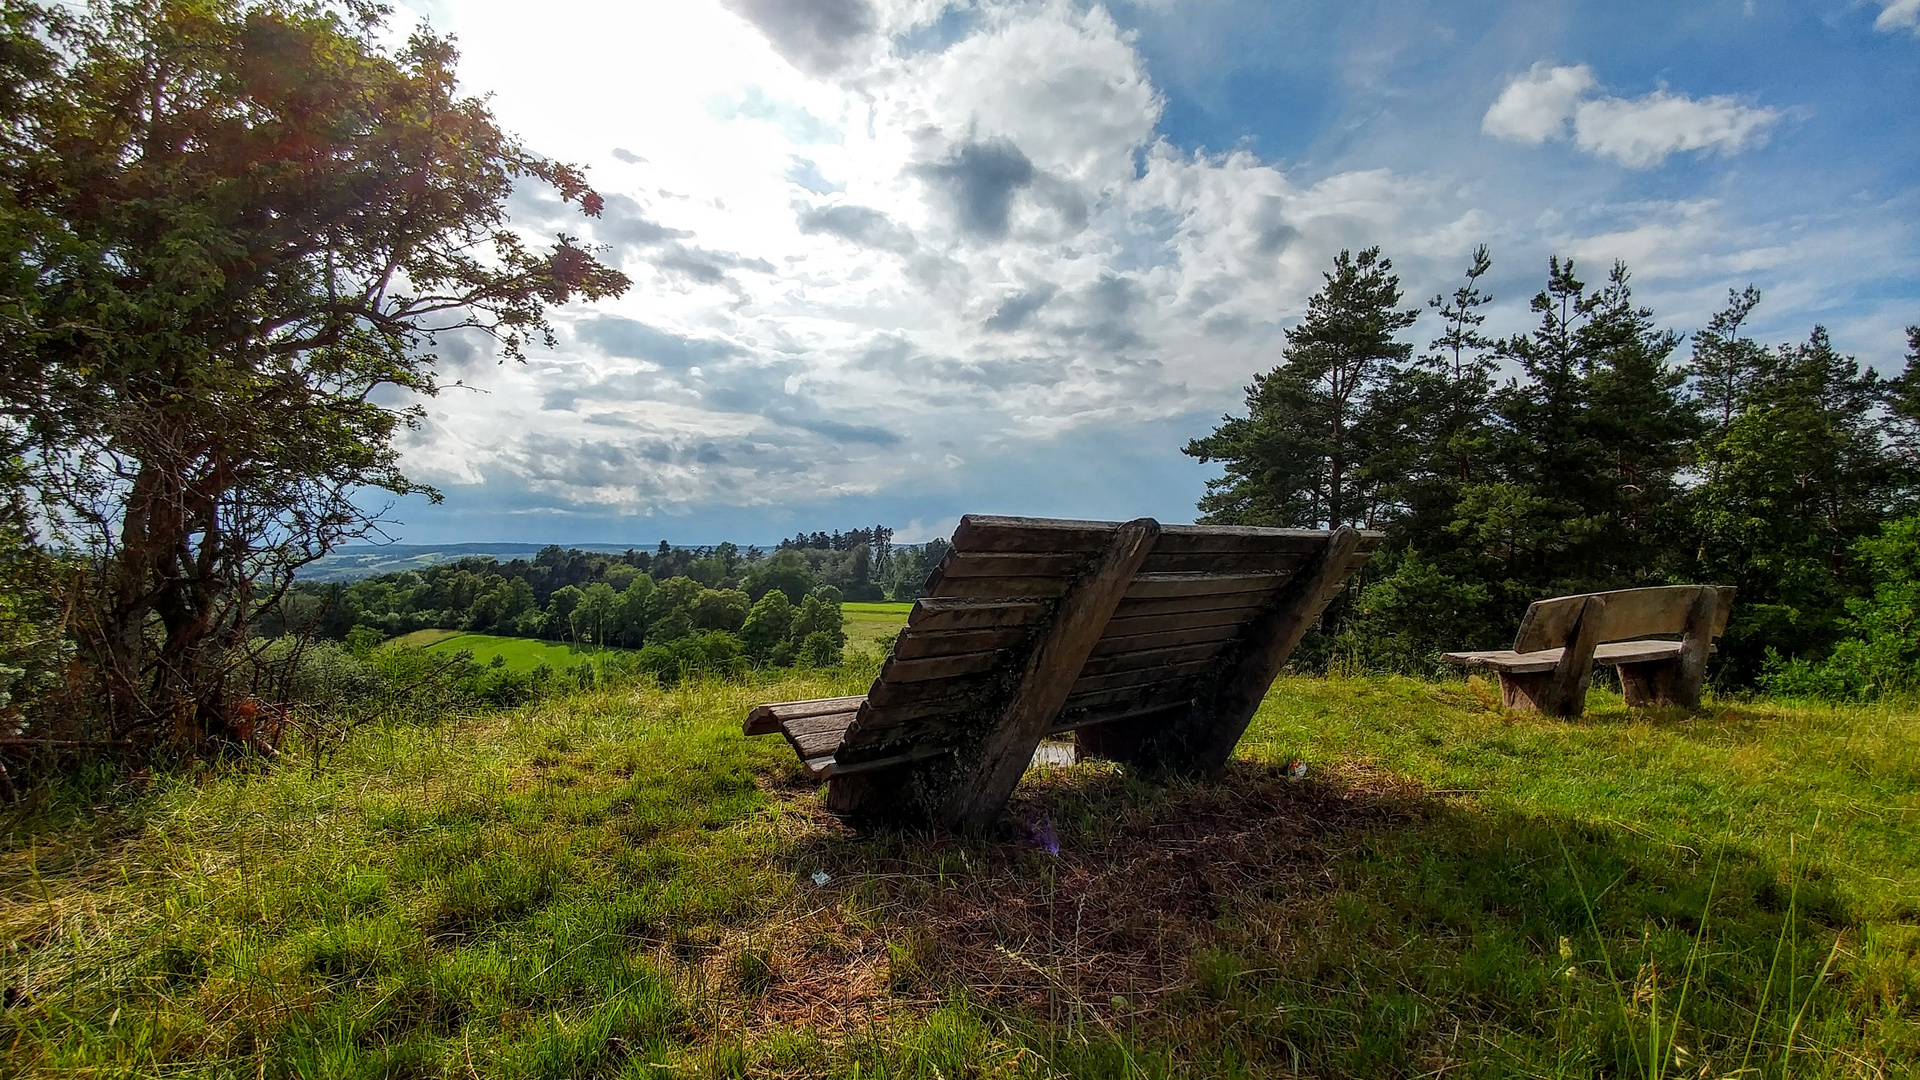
(617, 883)
(872, 627)
(520, 654)
(420, 639)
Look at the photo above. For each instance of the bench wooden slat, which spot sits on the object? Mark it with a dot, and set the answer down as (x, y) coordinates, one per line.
(999, 588)
(959, 564)
(1613, 652)
(915, 644)
(766, 719)
(942, 667)
(956, 613)
(1158, 674)
(1163, 586)
(1092, 717)
(1128, 643)
(1223, 562)
(1213, 618)
(986, 532)
(1629, 613)
(1164, 693)
(885, 695)
(1219, 603)
(1148, 658)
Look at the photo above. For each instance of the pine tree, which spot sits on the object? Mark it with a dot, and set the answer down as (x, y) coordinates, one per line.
(1801, 473)
(1300, 456)
(1642, 429)
(1725, 362)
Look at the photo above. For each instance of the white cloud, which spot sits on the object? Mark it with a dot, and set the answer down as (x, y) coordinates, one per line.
(1536, 106)
(1898, 15)
(990, 262)
(1637, 132)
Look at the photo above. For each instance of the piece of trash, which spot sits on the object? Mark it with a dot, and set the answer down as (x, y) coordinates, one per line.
(1297, 771)
(821, 877)
(1037, 831)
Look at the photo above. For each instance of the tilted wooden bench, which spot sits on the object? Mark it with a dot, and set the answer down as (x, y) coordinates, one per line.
(1152, 644)
(1561, 639)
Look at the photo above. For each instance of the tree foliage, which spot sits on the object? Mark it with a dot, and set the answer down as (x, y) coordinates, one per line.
(234, 231)
(1600, 461)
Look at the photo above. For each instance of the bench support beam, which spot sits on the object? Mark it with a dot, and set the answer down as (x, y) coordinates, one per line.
(987, 781)
(1204, 739)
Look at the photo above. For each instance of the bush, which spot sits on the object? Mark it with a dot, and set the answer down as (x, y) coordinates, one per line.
(1881, 654)
(713, 652)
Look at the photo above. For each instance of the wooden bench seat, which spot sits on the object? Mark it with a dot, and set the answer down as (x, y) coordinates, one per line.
(1613, 652)
(1561, 639)
(1151, 645)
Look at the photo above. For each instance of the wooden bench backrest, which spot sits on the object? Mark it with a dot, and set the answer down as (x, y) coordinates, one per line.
(972, 638)
(1629, 614)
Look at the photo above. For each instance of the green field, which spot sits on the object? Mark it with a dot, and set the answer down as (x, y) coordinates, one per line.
(872, 627)
(617, 883)
(521, 654)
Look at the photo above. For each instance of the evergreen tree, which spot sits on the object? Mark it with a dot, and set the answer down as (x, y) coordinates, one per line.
(1802, 472)
(1726, 362)
(1641, 429)
(1301, 455)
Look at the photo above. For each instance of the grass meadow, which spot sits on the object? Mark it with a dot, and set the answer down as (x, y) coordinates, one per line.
(519, 654)
(871, 628)
(617, 883)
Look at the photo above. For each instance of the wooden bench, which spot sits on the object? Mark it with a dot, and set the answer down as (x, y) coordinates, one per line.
(1552, 658)
(1151, 644)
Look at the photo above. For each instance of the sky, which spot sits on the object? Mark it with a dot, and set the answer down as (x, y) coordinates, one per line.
(894, 261)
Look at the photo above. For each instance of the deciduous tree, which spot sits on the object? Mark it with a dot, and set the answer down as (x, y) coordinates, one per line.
(233, 232)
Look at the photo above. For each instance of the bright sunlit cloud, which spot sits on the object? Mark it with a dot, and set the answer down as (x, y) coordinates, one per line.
(902, 261)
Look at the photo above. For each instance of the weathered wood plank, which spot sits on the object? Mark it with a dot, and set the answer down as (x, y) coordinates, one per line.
(1179, 605)
(926, 713)
(1012, 564)
(1161, 694)
(981, 532)
(1146, 658)
(935, 613)
(886, 694)
(1212, 618)
(1130, 643)
(1630, 613)
(813, 736)
(766, 719)
(1164, 586)
(839, 768)
(1234, 538)
(915, 644)
(1223, 562)
(1094, 717)
(1159, 674)
(1048, 678)
(998, 588)
(896, 672)
(988, 532)
(1615, 652)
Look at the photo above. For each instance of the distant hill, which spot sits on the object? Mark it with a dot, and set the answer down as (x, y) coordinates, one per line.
(366, 560)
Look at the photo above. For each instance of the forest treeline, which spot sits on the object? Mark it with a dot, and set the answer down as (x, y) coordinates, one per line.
(1598, 450)
(782, 607)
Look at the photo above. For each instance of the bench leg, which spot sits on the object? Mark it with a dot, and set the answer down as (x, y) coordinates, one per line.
(1525, 692)
(1658, 682)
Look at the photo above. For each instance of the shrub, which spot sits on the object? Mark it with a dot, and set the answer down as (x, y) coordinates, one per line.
(713, 652)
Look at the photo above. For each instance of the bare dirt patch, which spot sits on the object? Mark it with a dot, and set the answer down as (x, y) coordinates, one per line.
(1145, 878)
